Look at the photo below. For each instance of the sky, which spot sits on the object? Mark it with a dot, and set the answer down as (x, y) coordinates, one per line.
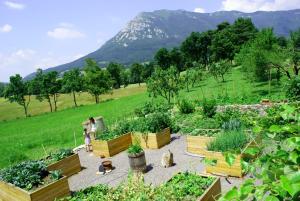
(46, 33)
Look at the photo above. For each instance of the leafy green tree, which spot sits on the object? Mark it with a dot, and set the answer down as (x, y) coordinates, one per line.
(162, 58)
(191, 77)
(72, 82)
(18, 91)
(261, 55)
(96, 81)
(47, 86)
(125, 76)
(196, 47)
(176, 59)
(2, 87)
(243, 30)
(293, 90)
(164, 83)
(222, 46)
(115, 70)
(148, 70)
(136, 72)
(219, 69)
(295, 50)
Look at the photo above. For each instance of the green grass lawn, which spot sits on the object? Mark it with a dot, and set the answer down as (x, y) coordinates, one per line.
(30, 138)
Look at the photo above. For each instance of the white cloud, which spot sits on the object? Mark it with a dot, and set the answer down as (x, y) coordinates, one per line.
(14, 5)
(262, 5)
(6, 28)
(26, 61)
(65, 31)
(199, 10)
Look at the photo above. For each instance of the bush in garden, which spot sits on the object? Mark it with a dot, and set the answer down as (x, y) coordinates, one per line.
(293, 91)
(158, 121)
(232, 124)
(209, 108)
(227, 115)
(186, 107)
(151, 107)
(228, 141)
(25, 175)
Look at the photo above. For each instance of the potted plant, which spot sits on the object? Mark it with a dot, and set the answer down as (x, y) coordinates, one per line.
(137, 159)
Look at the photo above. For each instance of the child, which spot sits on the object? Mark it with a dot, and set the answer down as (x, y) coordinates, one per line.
(87, 140)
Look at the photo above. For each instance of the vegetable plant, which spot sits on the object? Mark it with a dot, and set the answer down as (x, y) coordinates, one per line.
(59, 155)
(135, 149)
(26, 175)
(228, 141)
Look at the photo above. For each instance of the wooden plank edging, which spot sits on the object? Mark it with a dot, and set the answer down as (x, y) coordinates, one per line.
(69, 165)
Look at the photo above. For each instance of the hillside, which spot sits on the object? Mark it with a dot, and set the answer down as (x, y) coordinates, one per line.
(149, 31)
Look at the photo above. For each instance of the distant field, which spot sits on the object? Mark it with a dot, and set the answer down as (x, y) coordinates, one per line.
(26, 138)
(11, 111)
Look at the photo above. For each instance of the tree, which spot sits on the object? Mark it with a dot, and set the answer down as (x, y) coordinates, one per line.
(17, 90)
(162, 58)
(219, 69)
(136, 71)
(2, 87)
(96, 81)
(125, 76)
(72, 83)
(164, 83)
(47, 86)
(196, 47)
(295, 50)
(191, 77)
(148, 70)
(243, 30)
(222, 46)
(259, 56)
(115, 70)
(176, 59)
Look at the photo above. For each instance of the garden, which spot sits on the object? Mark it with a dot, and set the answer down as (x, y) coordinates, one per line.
(263, 151)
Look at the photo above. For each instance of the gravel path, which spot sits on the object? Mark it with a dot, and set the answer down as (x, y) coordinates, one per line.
(156, 174)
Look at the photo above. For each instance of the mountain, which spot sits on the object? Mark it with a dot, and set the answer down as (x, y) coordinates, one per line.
(149, 31)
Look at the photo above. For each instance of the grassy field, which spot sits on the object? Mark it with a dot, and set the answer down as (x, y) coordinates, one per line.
(32, 138)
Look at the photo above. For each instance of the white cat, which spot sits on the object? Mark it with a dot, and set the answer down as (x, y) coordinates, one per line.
(167, 159)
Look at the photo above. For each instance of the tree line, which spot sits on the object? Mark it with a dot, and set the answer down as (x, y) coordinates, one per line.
(261, 54)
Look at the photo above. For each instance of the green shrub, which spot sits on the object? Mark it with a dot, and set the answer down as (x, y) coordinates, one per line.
(121, 127)
(293, 91)
(59, 155)
(186, 107)
(25, 175)
(227, 115)
(135, 149)
(228, 141)
(151, 107)
(232, 124)
(209, 108)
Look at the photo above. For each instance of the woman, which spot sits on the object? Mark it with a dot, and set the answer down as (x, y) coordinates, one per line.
(93, 127)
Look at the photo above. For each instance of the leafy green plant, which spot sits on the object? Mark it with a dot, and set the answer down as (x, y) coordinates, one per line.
(227, 115)
(293, 91)
(135, 149)
(232, 124)
(189, 184)
(228, 141)
(59, 155)
(26, 175)
(55, 175)
(186, 106)
(121, 127)
(151, 107)
(209, 108)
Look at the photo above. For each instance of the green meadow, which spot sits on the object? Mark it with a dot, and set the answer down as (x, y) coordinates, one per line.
(35, 136)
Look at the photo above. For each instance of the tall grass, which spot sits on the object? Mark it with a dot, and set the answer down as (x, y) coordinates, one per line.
(228, 141)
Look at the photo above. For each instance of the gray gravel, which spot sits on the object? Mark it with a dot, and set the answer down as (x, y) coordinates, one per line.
(156, 174)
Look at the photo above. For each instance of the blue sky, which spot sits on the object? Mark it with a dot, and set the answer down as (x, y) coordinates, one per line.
(44, 33)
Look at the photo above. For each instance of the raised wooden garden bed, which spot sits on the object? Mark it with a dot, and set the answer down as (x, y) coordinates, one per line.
(153, 140)
(213, 192)
(197, 144)
(50, 192)
(111, 147)
(69, 166)
(222, 167)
